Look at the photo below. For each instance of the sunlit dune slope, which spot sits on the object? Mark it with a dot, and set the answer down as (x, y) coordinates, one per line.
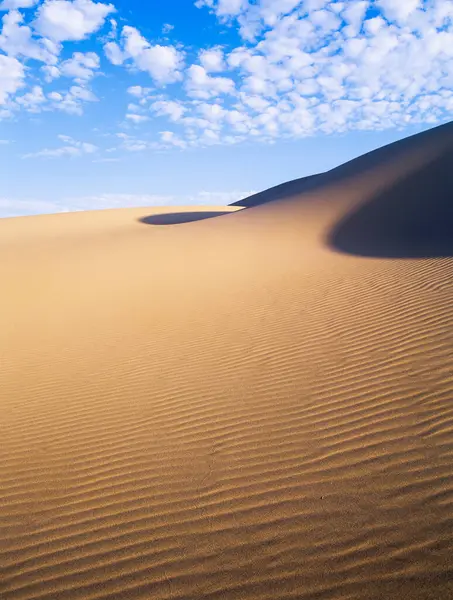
(255, 405)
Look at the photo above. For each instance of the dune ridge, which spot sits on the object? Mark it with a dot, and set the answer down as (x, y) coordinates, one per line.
(255, 405)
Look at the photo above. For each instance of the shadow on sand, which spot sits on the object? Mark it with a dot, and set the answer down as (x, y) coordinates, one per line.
(411, 219)
(181, 217)
(347, 170)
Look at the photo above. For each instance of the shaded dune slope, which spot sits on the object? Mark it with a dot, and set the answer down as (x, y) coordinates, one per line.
(423, 143)
(255, 406)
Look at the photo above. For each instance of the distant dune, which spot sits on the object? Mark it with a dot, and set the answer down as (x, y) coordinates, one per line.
(252, 405)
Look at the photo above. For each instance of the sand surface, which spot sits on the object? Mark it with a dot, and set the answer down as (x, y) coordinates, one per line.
(256, 405)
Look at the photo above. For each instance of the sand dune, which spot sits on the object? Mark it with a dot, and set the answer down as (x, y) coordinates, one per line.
(255, 405)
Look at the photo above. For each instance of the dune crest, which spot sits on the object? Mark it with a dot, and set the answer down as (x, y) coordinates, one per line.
(256, 405)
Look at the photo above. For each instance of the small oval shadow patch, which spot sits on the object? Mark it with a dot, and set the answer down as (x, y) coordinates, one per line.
(177, 218)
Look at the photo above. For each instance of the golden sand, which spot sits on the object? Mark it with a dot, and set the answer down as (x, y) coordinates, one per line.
(256, 405)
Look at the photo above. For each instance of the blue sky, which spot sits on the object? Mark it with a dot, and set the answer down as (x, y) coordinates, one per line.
(134, 102)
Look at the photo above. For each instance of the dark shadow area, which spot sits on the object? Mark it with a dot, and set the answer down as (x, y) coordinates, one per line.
(411, 219)
(182, 217)
(284, 190)
(357, 165)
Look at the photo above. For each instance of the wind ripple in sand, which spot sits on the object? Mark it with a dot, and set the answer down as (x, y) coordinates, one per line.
(263, 421)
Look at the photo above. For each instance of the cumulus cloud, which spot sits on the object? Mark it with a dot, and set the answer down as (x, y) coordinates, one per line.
(12, 4)
(200, 84)
(62, 20)
(212, 60)
(81, 67)
(394, 10)
(41, 39)
(223, 8)
(136, 118)
(12, 74)
(299, 67)
(325, 66)
(71, 101)
(114, 53)
(32, 100)
(169, 138)
(162, 63)
(17, 39)
(169, 108)
(354, 14)
(137, 90)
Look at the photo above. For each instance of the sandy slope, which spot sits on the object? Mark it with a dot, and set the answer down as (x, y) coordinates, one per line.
(254, 406)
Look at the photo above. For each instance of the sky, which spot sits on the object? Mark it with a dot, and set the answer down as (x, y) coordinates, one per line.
(164, 102)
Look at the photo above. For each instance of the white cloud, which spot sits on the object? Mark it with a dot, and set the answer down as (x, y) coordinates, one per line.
(374, 25)
(63, 151)
(301, 68)
(169, 108)
(354, 47)
(12, 4)
(272, 10)
(135, 118)
(114, 53)
(32, 101)
(50, 72)
(72, 148)
(12, 74)
(63, 20)
(325, 20)
(311, 5)
(71, 101)
(132, 107)
(396, 10)
(162, 63)
(171, 139)
(354, 14)
(200, 84)
(212, 60)
(17, 39)
(130, 143)
(223, 8)
(212, 112)
(323, 66)
(81, 66)
(137, 90)
(88, 148)
(134, 43)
